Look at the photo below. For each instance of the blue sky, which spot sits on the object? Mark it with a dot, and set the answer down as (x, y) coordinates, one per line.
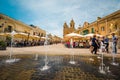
(50, 15)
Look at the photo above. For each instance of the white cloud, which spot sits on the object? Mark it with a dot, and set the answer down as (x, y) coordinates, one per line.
(51, 14)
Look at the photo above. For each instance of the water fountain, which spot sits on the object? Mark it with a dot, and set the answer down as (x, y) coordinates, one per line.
(72, 55)
(102, 65)
(45, 67)
(36, 57)
(11, 60)
(113, 60)
(113, 55)
(103, 69)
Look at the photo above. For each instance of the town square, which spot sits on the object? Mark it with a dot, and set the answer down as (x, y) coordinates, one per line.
(59, 40)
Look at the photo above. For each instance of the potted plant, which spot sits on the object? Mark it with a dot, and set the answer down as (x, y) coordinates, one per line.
(3, 45)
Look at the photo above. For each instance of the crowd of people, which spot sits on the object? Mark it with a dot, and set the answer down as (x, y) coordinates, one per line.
(78, 44)
(102, 44)
(26, 43)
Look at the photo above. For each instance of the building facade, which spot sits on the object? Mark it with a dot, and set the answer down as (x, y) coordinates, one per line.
(7, 25)
(68, 29)
(103, 26)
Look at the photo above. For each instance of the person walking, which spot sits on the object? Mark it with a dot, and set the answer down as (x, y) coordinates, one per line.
(106, 42)
(102, 45)
(94, 44)
(90, 45)
(114, 43)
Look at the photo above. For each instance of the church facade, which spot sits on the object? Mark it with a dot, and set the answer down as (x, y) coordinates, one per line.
(68, 29)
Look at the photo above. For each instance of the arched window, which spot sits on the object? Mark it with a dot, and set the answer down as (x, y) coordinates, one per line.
(33, 33)
(92, 30)
(38, 34)
(9, 28)
(102, 29)
(41, 34)
(85, 32)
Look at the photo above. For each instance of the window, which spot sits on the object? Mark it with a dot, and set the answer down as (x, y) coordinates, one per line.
(9, 28)
(92, 30)
(115, 26)
(33, 33)
(41, 34)
(25, 31)
(81, 33)
(102, 29)
(38, 34)
(85, 32)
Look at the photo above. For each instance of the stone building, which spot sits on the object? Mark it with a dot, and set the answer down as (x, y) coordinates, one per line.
(7, 25)
(38, 31)
(67, 29)
(103, 26)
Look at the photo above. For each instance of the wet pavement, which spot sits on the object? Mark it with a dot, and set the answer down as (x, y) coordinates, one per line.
(86, 68)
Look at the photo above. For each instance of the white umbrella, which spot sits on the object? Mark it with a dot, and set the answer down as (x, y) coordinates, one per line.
(91, 35)
(21, 33)
(17, 35)
(73, 35)
(5, 34)
(45, 38)
(99, 35)
(36, 36)
(13, 33)
(2, 34)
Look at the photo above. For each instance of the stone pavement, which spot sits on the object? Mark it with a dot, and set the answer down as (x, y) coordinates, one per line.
(55, 49)
(86, 67)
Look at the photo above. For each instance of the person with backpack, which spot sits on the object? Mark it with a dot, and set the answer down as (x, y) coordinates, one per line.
(94, 44)
(106, 42)
(114, 43)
